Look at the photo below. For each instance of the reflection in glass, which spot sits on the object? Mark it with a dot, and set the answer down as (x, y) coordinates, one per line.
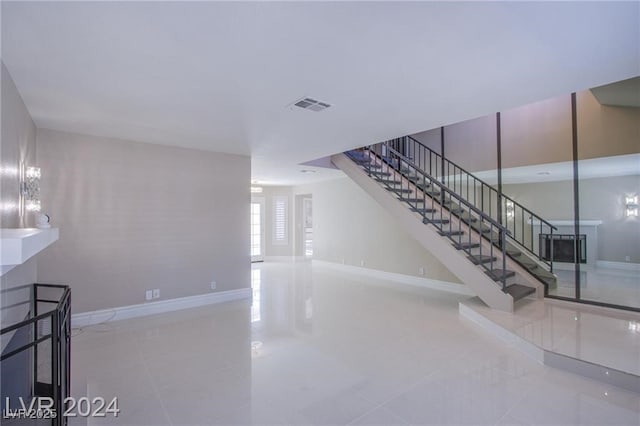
(256, 291)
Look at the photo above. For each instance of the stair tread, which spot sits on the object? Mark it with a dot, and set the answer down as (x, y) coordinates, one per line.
(436, 220)
(478, 259)
(425, 210)
(466, 245)
(481, 228)
(450, 233)
(389, 181)
(519, 291)
(497, 274)
(380, 173)
(401, 190)
(529, 265)
(466, 218)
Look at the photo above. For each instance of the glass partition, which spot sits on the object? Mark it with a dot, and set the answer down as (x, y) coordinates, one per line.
(537, 172)
(609, 186)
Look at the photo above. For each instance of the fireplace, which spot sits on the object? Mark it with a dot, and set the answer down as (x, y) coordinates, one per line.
(563, 247)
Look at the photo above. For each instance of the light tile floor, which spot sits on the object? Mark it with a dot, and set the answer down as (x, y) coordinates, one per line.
(602, 336)
(328, 348)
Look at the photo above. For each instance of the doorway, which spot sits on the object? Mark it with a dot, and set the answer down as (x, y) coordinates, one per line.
(257, 229)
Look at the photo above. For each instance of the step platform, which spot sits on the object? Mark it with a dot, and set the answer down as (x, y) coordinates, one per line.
(587, 340)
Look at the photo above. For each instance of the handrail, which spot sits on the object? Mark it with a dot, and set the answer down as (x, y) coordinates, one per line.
(451, 193)
(412, 154)
(27, 321)
(501, 194)
(59, 338)
(440, 195)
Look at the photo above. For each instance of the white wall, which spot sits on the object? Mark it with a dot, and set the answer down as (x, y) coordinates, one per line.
(349, 225)
(18, 145)
(600, 199)
(135, 216)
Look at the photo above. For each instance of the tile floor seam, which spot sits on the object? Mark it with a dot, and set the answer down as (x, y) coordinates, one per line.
(396, 395)
(153, 384)
(378, 408)
(515, 404)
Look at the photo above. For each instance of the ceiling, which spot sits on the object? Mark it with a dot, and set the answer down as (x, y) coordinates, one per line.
(222, 76)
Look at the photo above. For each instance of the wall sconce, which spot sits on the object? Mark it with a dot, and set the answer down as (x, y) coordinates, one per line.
(631, 206)
(30, 189)
(510, 209)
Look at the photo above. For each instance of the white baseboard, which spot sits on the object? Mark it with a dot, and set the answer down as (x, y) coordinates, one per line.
(625, 266)
(279, 258)
(502, 333)
(400, 278)
(85, 319)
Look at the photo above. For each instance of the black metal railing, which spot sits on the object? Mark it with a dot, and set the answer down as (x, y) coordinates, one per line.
(47, 331)
(440, 206)
(523, 224)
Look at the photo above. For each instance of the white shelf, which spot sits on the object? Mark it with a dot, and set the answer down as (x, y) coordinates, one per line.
(17, 245)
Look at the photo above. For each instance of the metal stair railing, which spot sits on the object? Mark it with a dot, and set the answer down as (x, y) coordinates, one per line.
(435, 202)
(518, 219)
(48, 323)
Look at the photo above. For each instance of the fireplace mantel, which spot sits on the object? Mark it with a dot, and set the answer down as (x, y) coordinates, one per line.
(589, 228)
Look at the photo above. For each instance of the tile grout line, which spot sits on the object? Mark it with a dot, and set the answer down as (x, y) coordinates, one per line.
(522, 397)
(394, 396)
(153, 385)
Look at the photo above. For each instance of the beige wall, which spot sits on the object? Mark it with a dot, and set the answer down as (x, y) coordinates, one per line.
(348, 224)
(605, 130)
(430, 138)
(540, 133)
(600, 199)
(135, 216)
(472, 142)
(537, 133)
(18, 146)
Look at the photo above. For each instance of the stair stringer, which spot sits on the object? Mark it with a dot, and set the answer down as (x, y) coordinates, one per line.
(440, 247)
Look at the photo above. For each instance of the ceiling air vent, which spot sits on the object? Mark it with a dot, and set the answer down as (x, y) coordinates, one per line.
(311, 104)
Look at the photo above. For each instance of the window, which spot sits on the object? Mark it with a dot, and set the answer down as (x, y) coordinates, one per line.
(280, 221)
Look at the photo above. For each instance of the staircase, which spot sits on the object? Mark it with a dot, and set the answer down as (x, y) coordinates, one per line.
(482, 236)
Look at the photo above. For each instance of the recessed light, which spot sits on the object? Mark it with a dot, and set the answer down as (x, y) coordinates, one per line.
(307, 171)
(544, 173)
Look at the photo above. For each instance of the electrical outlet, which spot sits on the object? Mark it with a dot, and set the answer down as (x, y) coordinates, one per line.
(421, 271)
(213, 285)
(156, 293)
(148, 295)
